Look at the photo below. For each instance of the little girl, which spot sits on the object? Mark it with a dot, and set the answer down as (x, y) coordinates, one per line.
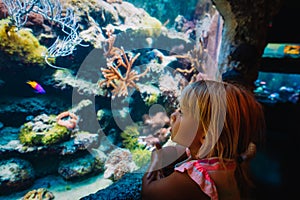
(220, 125)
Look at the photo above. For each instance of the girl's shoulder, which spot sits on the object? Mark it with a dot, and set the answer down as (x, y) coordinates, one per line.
(199, 171)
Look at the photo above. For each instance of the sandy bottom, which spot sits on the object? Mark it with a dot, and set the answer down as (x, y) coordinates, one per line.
(65, 190)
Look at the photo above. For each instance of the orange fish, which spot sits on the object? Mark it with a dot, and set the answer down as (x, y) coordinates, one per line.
(36, 86)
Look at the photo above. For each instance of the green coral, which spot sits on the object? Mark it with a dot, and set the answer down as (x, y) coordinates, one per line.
(54, 135)
(140, 155)
(130, 137)
(151, 99)
(150, 27)
(20, 45)
(27, 136)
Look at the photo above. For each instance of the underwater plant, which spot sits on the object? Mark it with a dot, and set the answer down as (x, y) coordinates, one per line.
(20, 45)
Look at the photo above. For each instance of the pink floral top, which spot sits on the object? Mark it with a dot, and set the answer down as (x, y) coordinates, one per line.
(198, 171)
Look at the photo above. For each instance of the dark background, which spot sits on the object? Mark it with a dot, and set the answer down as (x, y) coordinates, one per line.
(278, 173)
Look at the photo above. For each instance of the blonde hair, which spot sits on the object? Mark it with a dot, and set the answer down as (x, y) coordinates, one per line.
(230, 117)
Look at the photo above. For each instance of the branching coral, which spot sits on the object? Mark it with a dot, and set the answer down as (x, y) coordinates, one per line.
(53, 11)
(117, 58)
(195, 57)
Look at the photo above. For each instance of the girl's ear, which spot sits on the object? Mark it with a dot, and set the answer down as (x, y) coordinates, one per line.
(200, 134)
(202, 138)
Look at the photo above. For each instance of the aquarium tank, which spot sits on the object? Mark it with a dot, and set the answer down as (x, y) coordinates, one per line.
(87, 88)
(279, 78)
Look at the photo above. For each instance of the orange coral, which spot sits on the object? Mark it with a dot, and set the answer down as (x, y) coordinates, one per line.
(69, 123)
(291, 49)
(116, 58)
(195, 57)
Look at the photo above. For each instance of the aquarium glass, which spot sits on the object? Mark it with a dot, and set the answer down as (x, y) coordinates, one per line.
(87, 88)
(281, 50)
(278, 87)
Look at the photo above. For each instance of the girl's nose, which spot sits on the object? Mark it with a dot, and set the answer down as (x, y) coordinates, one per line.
(173, 117)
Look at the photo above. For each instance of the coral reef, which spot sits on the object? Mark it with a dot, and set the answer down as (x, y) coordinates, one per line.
(43, 130)
(150, 27)
(20, 108)
(38, 194)
(113, 1)
(65, 78)
(10, 144)
(117, 58)
(67, 119)
(127, 69)
(72, 169)
(149, 93)
(15, 175)
(140, 155)
(119, 163)
(155, 130)
(138, 20)
(55, 13)
(20, 45)
(130, 137)
(171, 87)
(95, 16)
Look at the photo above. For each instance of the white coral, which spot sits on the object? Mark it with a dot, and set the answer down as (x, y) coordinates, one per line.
(119, 162)
(171, 84)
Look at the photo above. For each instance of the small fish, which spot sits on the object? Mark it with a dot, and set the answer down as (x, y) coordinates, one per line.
(37, 87)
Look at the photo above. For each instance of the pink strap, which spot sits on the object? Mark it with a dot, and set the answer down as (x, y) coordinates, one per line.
(200, 175)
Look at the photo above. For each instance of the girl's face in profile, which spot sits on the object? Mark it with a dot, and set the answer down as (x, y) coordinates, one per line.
(183, 127)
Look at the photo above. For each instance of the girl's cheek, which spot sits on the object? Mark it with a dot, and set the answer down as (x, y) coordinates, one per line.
(174, 129)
